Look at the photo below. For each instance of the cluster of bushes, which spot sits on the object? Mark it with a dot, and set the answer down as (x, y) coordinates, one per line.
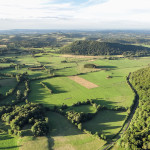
(98, 106)
(46, 87)
(19, 116)
(21, 77)
(89, 102)
(40, 128)
(137, 135)
(19, 66)
(6, 60)
(76, 117)
(63, 61)
(5, 109)
(97, 134)
(79, 103)
(7, 74)
(27, 90)
(10, 91)
(89, 66)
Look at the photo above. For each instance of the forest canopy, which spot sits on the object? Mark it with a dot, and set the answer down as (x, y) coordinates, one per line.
(88, 47)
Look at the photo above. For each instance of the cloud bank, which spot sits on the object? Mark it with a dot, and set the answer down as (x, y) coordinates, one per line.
(75, 14)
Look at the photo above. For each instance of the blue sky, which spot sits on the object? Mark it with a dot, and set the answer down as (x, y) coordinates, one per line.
(74, 14)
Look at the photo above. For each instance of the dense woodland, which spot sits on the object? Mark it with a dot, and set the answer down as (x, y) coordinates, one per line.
(19, 116)
(104, 48)
(137, 136)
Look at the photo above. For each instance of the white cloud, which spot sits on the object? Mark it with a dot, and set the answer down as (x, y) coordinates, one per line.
(31, 9)
(99, 14)
(117, 9)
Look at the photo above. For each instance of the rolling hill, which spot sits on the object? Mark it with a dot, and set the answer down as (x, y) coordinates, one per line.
(88, 47)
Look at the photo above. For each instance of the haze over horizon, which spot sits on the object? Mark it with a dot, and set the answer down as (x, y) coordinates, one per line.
(74, 14)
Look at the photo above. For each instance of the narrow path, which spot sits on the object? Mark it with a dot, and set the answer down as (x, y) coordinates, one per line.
(127, 122)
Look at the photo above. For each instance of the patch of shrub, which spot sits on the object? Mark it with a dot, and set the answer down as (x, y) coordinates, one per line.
(89, 66)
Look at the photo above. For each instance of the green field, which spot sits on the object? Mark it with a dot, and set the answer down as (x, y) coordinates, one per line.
(7, 142)
(111, 92)
(107, 121)
(64, 136)
(67, 91)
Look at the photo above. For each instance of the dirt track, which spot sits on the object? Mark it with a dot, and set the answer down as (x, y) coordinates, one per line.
(83, 82)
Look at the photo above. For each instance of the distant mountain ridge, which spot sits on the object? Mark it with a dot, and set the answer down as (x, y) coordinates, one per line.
(88, 47)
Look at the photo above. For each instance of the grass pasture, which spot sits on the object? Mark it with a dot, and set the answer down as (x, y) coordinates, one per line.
(33, 143)
(68, 92)
(107, 121)
(7, 142)
(65, 136)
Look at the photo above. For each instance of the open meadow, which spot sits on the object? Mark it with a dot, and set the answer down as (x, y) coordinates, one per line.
(66, 82)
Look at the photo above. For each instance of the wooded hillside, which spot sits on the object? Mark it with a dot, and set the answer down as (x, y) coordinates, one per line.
(103, 48)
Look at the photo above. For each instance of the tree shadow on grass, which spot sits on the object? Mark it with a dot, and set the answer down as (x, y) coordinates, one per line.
(38, 94)
(103, 102)
(50, 143)
(5, 137)
(11, 147)
(106, 67)
(106, 122)
(60, 126)
(55, 89)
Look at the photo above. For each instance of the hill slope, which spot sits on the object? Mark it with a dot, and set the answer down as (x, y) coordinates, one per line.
(103, 48)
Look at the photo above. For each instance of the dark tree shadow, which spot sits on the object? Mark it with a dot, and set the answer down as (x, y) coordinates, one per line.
(55, 89)
(37, 94)
(11, 147)
(99, 122)
(5, 137)
(50, 143)
(107, 67)
(103, 102)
